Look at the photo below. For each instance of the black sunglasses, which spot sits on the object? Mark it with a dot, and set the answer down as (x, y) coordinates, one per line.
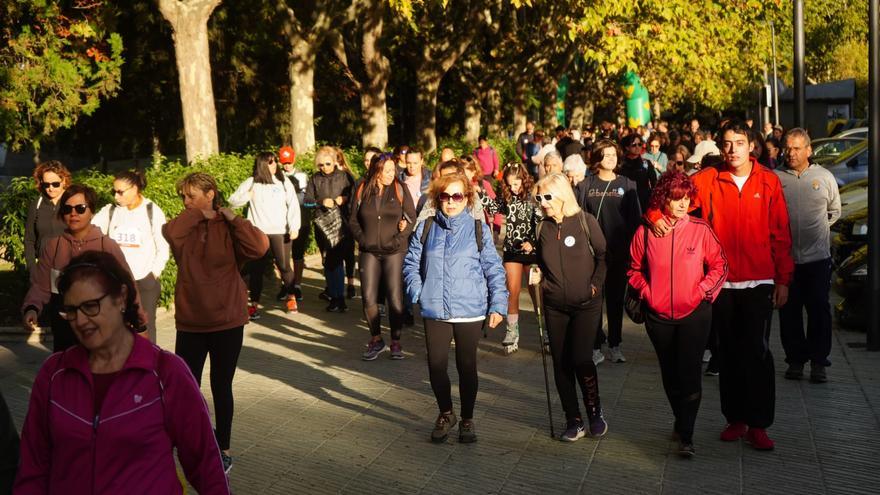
(326, 164)
(546, 197)
(455, 198)
(91, 307)
(120, 192)
(80, 209)
(47, 185)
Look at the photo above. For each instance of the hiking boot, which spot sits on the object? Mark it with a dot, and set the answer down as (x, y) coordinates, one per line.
(374, 349)
(396, 350)
(574, 431)
(598, 356)
(282, 294)
(253, 312)
(734, 432)
(617, 355)
(598, 425)
(758, 438)
(686, 450)
(466, 432)
(795, 371)
(817, 374)
(350, 292)
(227, 462)
(337, 306)
(445, 422)
(297, 292)
(325, 295)
(291, 305)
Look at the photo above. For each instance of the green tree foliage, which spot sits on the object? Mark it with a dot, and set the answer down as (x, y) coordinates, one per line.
(57, 62)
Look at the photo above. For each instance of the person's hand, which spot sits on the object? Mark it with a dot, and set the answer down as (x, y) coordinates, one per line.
(494, 320)
(228, 214)
(661, 227)
(780, 295)
(209, 214)
(594, 290)
(527, 247)
(29, 320)
(328, 203)
(338, 200)
(293, 234)
(534, 276)
(401, 225)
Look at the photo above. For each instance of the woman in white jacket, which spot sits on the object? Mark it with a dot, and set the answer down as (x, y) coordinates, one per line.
(135, 223)
(273, 207)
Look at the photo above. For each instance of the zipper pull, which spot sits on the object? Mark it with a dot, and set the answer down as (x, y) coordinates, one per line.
(96, 421)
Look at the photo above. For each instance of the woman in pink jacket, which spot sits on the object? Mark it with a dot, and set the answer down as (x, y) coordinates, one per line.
(106, 415)
(678, 276)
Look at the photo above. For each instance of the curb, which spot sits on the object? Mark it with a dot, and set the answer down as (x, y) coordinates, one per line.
(18, 334)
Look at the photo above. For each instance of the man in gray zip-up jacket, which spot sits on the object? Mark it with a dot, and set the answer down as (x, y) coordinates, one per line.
(813, 205)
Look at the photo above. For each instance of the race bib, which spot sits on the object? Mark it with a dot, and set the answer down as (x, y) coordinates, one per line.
(131, 238)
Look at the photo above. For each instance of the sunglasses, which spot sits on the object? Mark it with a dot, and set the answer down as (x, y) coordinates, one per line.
(68, 209)
(635, 144)
(47, 185)
(89, 308)
(120, 192)
(543, 197)
(326, 164)
(455, 198)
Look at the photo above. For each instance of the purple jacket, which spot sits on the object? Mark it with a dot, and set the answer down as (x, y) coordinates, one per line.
(152, 406)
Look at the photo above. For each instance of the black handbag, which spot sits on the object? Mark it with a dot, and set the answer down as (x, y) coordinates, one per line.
(329, 222)
(633, 303)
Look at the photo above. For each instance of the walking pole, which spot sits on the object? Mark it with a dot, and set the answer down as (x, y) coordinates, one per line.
(539, 310)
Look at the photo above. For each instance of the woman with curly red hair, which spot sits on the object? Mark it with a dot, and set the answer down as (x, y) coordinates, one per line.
(691, 261)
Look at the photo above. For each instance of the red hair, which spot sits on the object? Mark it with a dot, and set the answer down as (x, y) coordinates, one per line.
(672, 186)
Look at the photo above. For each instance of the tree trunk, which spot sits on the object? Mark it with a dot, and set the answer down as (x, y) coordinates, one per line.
(378, 71)
(302, 92)
(189, 22)
(520, 119)
(494, 113)
(550, 120)
(428, 82)
(472, 115)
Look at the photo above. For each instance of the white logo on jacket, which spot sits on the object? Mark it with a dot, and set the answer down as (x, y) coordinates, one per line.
(569, 241)
(138, 398)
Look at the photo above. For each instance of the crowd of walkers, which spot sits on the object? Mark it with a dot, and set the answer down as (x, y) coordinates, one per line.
(699, 235)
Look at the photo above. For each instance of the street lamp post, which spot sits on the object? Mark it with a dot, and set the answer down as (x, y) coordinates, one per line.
(799, 98)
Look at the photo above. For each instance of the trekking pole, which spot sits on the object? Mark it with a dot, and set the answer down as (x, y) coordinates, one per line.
(540, 312)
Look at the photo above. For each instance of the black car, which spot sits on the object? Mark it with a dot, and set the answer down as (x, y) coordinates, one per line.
(851, 282)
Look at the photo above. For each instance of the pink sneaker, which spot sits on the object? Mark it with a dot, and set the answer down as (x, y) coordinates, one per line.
(733, 432)
(758, 438)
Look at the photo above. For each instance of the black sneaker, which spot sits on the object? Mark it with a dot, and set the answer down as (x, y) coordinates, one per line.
(227, 462)
(324, 295)
(818, 374)
(466, 432)
(686, 450)
(297, 292)
(795, 371)
(337, 306)
(444, 423)
(575, 430)
(282, 295)
(712, 367)
(350, 292)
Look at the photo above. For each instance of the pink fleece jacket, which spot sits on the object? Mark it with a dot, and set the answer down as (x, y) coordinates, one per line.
(153, 406)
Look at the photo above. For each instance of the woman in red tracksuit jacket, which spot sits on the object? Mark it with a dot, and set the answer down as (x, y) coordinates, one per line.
(678, 277)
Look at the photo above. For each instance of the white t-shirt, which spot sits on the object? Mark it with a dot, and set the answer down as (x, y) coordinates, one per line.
(744, 284)
(143, 245)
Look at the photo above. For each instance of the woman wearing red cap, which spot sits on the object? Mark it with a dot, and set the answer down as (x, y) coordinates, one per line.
(299, 179)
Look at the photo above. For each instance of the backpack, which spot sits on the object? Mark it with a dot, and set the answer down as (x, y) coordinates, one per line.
(582, 219)
(478, 232)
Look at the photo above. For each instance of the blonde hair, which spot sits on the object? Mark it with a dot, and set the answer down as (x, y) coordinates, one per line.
(329, 151)
(559, 186)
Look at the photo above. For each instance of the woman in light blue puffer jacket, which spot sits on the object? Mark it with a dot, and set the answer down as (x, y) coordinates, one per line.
(453, 271)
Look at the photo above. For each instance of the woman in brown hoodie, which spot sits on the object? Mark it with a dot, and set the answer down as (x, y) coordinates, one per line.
(76, 211)
(209, 244)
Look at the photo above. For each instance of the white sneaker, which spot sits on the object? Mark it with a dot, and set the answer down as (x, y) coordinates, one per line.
(598, 356)
(616, 355)
(707, 355)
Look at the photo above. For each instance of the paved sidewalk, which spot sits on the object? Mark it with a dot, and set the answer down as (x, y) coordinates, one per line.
(311, 417)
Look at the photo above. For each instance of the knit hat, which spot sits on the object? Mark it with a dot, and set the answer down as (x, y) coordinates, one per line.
(286, 154)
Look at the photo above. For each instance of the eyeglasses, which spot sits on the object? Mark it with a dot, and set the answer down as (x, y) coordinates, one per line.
(120, 192)
(89, 308)
(635, 144)
(326, 164)
(68, 209)
(47, 185)
(543, 197)
(455, 198)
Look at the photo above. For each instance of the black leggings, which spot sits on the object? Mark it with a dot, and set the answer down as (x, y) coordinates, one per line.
(348, 256)
(224, 347)
(279, 248)
(615, 287)
(572, 333)
(438, 334)
(382, 271)
(679, 345)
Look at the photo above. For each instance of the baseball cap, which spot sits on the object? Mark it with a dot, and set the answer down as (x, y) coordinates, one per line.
(706, 147)
(286, 154)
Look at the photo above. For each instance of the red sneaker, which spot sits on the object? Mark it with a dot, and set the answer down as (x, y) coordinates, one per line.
(759, 439)
(291, 305)
(253, 312)
(733, 432)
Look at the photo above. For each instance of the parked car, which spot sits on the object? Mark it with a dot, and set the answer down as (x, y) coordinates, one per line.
(853, 197)
(851, 165)
(851, 282)
(826, 150)
(848, 234)
(858, 132)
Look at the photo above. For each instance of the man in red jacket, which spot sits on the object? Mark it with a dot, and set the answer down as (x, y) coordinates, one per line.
(744, 203)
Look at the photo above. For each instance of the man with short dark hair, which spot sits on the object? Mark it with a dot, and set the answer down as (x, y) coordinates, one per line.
(523, 140)
(813, 205)
(637, 168)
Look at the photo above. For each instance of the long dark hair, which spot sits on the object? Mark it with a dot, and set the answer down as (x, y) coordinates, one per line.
(104, 269)
(134, 177)
(261, 173)
(377, 163)
(518, 170)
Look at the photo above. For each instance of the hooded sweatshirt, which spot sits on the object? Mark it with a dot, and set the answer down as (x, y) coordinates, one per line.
(274, 208)
(210, 295)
